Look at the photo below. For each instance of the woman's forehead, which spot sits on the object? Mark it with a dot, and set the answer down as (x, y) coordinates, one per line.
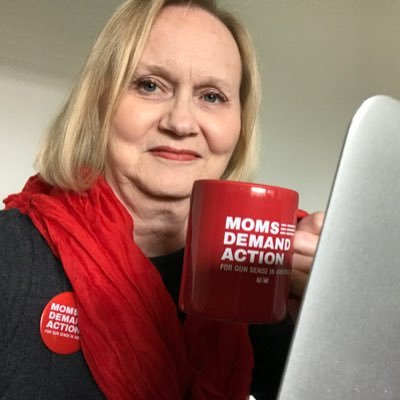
(182, 36)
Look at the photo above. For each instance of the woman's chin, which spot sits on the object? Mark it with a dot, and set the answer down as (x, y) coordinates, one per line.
(168, 189)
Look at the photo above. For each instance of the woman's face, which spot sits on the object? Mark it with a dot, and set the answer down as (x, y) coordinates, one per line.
(180, 119)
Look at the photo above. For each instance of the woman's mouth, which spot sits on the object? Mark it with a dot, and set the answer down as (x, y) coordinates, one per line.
(171, 153)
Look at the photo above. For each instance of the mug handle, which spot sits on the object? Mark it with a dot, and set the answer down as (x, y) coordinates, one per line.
(301, 214)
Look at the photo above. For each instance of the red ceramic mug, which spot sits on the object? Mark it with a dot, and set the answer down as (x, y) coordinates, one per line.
(239, 251)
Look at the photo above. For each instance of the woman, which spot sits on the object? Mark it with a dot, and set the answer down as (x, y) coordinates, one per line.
(168, 95)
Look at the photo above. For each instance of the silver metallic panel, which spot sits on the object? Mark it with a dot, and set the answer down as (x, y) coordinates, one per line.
(347, 342)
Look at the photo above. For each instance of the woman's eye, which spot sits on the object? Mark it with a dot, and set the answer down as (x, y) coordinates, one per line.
(148, 86)
(214, 98)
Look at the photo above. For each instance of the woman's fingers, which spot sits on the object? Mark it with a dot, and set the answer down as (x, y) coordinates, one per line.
(305, 245)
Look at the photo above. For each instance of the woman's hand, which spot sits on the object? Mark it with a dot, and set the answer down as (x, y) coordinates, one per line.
(305, 245)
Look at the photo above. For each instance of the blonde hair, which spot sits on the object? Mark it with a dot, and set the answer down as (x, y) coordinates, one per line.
(74, 150)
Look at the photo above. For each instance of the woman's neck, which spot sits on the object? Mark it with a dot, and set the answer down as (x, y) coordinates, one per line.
(160, 228)
(159, 223)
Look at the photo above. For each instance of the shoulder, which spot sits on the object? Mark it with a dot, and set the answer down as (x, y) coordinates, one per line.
(20, 242)
(17, 234)
(26, 260)
(13, 220)
(14, 225)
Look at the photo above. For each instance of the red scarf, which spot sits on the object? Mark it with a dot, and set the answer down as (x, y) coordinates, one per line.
(131, 336)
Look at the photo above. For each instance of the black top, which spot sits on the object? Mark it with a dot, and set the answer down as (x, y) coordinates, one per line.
(30, 276)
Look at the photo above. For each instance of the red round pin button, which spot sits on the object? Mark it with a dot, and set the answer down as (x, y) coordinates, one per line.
(59, 324)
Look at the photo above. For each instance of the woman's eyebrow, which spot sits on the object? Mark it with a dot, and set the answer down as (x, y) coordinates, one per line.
(158, 69)
(212, 80)
(206, 80)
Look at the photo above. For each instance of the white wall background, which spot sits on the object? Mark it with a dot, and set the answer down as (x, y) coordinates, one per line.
(319, 59)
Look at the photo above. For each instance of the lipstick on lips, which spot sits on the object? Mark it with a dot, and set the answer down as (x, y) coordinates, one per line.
(171, 153)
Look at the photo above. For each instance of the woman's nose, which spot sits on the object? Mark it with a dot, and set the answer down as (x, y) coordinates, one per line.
(180, 116)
